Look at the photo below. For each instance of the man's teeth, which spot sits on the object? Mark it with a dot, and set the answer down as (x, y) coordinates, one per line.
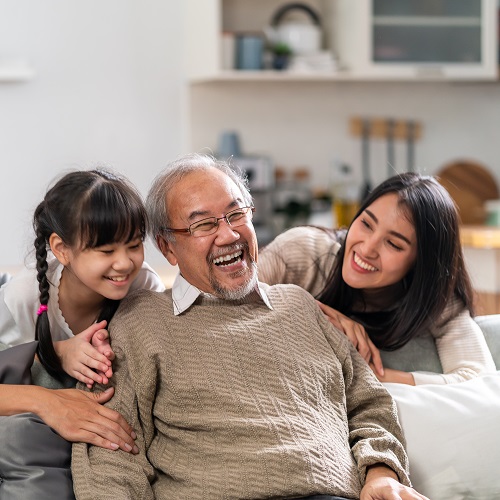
(226, 258)
(363, 264)
(117, 278)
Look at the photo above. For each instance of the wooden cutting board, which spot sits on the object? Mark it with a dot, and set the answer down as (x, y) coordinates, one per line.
(470, 185)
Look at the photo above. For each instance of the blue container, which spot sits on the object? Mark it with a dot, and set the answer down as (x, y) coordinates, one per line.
(249, 52)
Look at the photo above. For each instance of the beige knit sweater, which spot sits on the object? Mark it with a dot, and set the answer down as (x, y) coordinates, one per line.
(233, 400)
(305, 256)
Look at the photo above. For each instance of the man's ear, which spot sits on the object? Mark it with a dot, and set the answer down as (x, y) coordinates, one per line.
(166, 249)
(60, 250)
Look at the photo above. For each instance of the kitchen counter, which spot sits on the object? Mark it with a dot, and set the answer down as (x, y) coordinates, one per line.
(480, 236)
(481, 247)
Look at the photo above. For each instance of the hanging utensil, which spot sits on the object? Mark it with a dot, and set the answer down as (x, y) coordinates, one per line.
(365, 158)
(410, 146)
(389, 133)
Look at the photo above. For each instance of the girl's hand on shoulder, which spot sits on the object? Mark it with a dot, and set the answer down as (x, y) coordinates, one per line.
(358, 337)
(81, 360)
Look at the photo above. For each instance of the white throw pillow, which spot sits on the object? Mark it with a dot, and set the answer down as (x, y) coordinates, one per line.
(453, 437)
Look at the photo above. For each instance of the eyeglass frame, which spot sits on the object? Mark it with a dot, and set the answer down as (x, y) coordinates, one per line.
(250, 208)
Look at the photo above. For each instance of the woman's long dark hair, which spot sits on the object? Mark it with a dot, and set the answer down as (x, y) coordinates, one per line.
(86, 209)
(439, 272)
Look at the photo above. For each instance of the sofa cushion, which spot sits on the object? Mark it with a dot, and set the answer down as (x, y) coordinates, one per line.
(420, 353)
(453, 438)
(490, 325)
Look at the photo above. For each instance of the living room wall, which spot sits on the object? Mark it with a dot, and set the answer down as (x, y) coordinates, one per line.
(107, 90)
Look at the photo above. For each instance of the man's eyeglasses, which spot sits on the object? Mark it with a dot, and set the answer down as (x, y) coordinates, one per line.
(205, 227)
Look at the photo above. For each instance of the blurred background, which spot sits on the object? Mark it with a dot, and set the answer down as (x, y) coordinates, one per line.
(317, 101)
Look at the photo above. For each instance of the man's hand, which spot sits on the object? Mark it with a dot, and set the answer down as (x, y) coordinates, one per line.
(87, 356)
(382, 484)
(79, 416)
(357, 335)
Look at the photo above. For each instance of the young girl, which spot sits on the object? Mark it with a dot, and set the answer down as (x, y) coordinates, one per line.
(397, 273)
(89, 233)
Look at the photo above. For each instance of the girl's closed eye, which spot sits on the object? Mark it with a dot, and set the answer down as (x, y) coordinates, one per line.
(107, 251)
(136, 245)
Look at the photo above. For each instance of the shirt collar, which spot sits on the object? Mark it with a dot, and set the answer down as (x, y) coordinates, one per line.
(184, 294)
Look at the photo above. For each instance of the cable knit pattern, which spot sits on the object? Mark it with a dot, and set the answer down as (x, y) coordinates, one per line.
(305, 256)
(233, 400)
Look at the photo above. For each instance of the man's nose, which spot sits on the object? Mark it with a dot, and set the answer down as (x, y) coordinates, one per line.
(226, 233)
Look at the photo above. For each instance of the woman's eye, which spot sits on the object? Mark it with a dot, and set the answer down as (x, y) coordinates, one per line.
(107, 252)
(396, 247)
(365, 223)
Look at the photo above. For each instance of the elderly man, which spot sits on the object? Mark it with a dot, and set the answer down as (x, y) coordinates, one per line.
(236, 389)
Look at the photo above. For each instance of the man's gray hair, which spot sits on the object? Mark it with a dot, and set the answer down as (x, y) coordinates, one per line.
(156, 201)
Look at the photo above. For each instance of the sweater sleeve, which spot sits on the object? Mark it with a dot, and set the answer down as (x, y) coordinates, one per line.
(102, 474)
(375, 434)
(303, 256)
(461, 347)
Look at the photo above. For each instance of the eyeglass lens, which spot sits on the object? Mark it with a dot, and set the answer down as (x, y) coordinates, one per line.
(209, 225)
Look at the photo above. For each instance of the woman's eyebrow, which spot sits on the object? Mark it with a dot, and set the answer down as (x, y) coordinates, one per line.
(394, 233)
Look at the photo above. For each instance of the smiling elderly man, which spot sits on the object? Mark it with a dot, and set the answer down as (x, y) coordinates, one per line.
(236, 389)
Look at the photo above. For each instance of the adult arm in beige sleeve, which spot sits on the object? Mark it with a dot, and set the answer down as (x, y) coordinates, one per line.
(375, 434)
(461, 347)
(100, 474)
(303, 256)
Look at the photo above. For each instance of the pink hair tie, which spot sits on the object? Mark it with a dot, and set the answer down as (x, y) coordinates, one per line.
(41, 309)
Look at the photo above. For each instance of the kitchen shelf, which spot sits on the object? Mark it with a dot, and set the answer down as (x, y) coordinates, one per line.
(427, 73)
(15, 72)
(349, 28)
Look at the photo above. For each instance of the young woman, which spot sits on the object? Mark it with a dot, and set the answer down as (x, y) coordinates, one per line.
(398, 272)
(89, 233)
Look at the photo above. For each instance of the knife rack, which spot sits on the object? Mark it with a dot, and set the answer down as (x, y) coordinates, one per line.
(382, 128)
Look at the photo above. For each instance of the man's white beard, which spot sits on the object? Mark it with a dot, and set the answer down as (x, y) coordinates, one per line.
(240, 292)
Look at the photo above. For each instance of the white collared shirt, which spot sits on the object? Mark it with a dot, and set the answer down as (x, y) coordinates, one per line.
(184, 294)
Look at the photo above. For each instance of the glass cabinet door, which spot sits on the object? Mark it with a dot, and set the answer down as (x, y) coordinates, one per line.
(426, 31)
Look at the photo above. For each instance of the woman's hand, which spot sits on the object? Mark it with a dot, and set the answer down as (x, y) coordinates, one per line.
(79, 416)
(87, 356)
(358, 337)
(396, 376)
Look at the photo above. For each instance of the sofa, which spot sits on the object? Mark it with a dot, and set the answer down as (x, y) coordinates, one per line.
(452, 431)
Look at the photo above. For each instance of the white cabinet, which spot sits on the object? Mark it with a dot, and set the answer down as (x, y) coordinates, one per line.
(420, 39)
(373, 39)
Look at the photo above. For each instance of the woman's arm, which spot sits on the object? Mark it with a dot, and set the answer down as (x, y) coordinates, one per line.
(461, 347)
(76, 415)
(302, 255)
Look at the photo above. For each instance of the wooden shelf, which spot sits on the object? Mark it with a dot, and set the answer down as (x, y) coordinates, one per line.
(338, 76)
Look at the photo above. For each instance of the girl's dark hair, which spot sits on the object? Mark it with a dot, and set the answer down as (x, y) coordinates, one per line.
(438, 274)
(86, 209)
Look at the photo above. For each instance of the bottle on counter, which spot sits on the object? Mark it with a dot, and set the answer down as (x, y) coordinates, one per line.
(345, 195)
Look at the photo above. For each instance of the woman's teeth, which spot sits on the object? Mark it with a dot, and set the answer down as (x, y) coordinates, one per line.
(225, 259)
(363, 264)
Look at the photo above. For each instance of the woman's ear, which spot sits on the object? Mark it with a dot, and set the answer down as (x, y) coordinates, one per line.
(166, 249)
(60, 250)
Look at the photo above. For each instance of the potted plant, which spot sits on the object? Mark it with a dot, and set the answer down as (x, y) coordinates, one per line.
(281, 55)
